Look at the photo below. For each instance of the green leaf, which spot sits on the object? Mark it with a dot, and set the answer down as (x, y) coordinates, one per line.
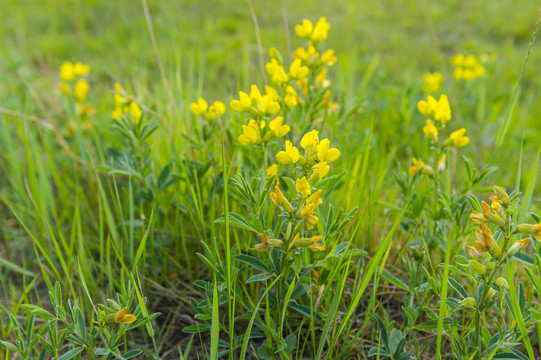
(458, 288)
(236, 220)
(8, 346)
(253, 262)
(259, 277)
(72, 353)
(193, 329)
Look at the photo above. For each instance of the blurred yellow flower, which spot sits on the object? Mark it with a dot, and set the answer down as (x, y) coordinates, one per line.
(67, 72)
(81, 89)
(271, 171)
(432, 82)
(328, 58)
(439, 110)
(316, 33)
(308, 56)
(467, 67)
(209, 113)
(277, 127)
(430, 130)
(416, 167)
(81, 69)
(458, 139)
(297, 71)
(290, 99)
(276, 72)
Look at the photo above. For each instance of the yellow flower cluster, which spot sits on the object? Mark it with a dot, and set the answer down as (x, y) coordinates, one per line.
(255, 104)
(125, 105)
(432, 82)
(251, 133)
(467, 67)
(314, 164)
(72, 76)
(315, 34)
(440, 113)
(316, 158)
(206, 111)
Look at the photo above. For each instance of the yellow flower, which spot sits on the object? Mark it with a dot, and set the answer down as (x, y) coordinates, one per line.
(81, 89)
(250, 133)
(322, 79)
(135, 111)
(442, 162)
(320, 30)
(427, 107)
(417, 165)
(276, 72)
(297, 71)
(243, 104)
(255, 104)
(467, 67)
(122, 317)
(328, 58)
(307, 213)
(311, 138)
(315, 245)
(326, 154)
(279, 199)
(67, 72)
(303, 187)
(66, 89)
(432, 82)
(216, 110)
(200, 107)
(458, 139)
(277, 127)
(271, 171)
(430, 130)
(81, 69)
(308, 56)
(440, 110)
(290, 155)
(315, 198)
(321, 169)
(304, 30)
(291, 97)
(269, 90)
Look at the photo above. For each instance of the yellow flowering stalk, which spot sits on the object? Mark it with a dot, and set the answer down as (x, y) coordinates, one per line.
(206, 111)
(467, 67)
(74, 84)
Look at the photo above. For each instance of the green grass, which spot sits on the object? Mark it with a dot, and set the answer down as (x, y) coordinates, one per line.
(66, 216)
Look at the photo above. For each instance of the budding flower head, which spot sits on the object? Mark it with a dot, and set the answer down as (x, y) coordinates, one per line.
(502, 195)
(502, 283)
(468, 302)
(478, 267)
(491, 293)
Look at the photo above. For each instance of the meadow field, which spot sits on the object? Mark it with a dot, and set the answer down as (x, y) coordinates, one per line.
(248, 179)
